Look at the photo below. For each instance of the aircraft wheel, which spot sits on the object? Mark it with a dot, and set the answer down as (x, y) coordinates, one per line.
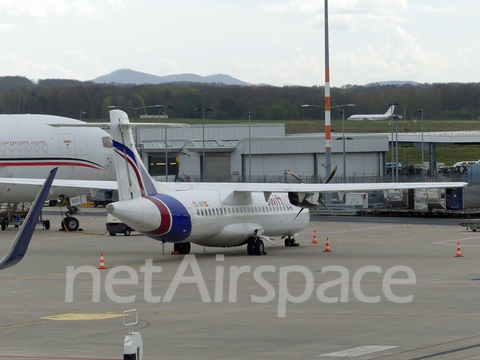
(112, 233)
(287, 241)
(4, 225)
(70, 223)
(185, 248)
(46, 224)
(474, 230)
(127, 232)
(251, 246)
(255, 247)
(260, 247)
(182, 248)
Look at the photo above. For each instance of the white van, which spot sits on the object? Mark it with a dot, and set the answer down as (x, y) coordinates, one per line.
(115, 226)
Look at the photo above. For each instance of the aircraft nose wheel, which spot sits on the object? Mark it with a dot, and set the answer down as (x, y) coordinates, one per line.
(70, 223)
(290, 241)
(255, 247)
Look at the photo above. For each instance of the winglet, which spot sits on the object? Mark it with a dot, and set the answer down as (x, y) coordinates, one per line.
(22, 240)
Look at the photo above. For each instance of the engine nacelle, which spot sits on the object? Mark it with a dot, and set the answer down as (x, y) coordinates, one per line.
(307, 200)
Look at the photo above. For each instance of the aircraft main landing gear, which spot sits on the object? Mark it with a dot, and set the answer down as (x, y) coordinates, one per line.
(255, 247)
(182, 248)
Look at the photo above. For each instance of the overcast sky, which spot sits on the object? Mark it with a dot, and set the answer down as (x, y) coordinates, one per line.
(278, 42)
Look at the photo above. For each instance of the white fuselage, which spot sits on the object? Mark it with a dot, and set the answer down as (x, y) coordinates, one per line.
(371, 117)
(30, 148)
(211, 217)
(374, 117)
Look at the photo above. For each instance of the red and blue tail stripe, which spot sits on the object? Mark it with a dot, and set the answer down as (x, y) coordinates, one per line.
(143, 178)
(175, 224)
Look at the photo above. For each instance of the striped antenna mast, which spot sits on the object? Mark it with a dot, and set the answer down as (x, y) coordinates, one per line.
(328, 138)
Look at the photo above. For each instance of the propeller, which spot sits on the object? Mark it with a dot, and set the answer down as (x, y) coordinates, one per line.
(319, 198)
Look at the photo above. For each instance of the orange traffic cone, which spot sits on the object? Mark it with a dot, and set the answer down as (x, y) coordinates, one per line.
(314, 241)
(327, 247)
(459, 252)
(102, 263)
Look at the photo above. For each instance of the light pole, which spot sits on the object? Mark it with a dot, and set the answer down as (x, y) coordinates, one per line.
(421, 111)
(390, 105)
(249, 150)
(343, 121)
(82, 113)
(203, 138)
(343, 137)
(166, 146)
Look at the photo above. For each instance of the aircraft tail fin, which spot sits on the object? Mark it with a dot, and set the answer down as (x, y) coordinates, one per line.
(390, 110)
(133, 179)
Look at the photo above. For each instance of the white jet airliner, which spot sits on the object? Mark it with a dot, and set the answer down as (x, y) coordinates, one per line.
(216, 214)
(30, 147)
(374, 117)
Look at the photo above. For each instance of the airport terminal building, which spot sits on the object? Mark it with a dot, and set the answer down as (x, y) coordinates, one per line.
(228, 149)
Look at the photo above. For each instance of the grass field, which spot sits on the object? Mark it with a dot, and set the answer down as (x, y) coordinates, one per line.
(408, 156)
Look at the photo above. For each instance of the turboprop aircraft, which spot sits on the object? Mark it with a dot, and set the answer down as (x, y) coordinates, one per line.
(374, 117)
(30, 147)
(216, 214)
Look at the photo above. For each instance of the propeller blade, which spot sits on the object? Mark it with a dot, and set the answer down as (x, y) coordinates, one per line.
(177, 169)
(325, 206)
(298, 214)
(294, 175)
(331, 175)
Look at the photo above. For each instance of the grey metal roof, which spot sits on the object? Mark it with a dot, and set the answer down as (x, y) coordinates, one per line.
(215, 145)
(160, 144)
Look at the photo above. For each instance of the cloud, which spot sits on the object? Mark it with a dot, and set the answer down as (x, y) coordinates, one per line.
(298, 69)
(47, 9)
(437, 10)
(13, 64)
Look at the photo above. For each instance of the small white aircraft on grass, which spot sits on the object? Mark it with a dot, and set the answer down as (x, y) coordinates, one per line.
(374, 117)
(216, 214)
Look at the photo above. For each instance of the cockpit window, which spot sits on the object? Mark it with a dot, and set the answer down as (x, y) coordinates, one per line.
(107, 142)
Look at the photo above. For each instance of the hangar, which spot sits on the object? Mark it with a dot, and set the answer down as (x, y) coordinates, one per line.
(227, 153)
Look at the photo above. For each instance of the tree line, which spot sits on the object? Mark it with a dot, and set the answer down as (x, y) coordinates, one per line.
(69, 97)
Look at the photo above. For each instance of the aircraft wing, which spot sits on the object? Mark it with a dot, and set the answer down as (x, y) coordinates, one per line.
(314, 188)
(247, 187)
(79, 184)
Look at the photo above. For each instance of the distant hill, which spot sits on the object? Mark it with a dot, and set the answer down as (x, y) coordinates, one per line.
(127, 76)
(394, 83)
(8, 83)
